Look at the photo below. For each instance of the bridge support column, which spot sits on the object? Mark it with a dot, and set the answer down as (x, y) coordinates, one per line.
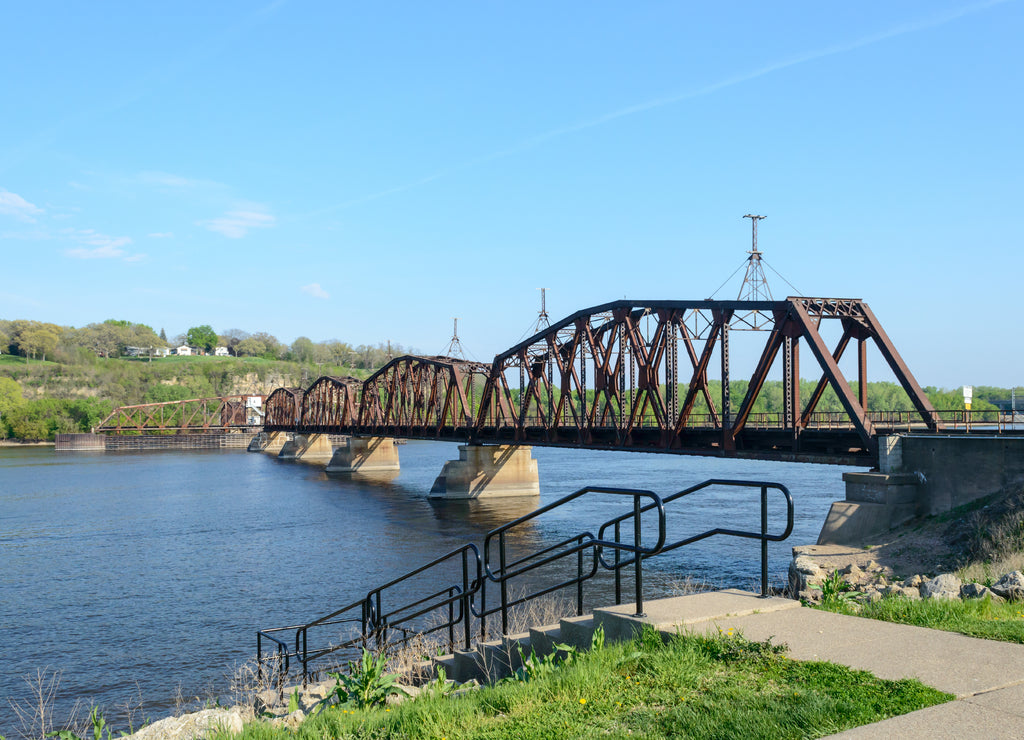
(487, 471)
(307, 448)
(365, 455)
(269, 442)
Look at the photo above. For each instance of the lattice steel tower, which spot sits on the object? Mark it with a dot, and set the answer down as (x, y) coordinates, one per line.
(455, 345)
(755, 285)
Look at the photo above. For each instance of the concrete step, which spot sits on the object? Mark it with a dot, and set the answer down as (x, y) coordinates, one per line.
(502, 658)
(444, 661)
(543, 638)
(468, 666)
(577, 631)
(672, 615)
(495, 659)
(423, 672)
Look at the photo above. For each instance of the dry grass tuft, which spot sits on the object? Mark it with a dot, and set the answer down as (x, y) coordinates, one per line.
(35, 712)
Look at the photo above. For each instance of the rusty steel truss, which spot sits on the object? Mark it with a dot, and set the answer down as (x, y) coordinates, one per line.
(330, 403)
(635, 375)
(193, 415)
(284, 408)
(611, 377)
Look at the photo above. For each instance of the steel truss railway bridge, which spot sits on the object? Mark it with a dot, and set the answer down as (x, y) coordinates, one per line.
(625, 375)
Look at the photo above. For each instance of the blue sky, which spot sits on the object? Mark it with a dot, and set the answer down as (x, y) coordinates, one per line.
(368, 171)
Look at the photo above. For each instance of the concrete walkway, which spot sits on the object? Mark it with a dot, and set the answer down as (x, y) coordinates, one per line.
(986, 676)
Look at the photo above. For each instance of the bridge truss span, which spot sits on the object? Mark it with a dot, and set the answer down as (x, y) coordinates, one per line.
(656, 376)
(631, 374)
(331, 403)
(426, 397)
(284, 410)
(192, 415)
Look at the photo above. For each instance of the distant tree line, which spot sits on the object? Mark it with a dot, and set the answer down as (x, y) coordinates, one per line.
(111, 338)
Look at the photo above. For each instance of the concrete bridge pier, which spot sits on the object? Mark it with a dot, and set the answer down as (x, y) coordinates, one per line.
(488, 471)
(364, 455)
(268, 442)
(307, 448)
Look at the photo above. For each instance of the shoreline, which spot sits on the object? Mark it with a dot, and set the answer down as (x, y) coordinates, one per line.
(18, 443)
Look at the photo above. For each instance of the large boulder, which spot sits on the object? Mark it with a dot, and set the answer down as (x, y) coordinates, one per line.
(977, 591)
(942, 586)
(1010, 586)
(195, 725)
(909, 592)
(804, 573)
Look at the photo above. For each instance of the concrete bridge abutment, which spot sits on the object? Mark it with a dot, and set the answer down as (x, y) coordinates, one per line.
(365, 455)
(268, 442)
(921, 476)
(316, 448)
(488, 471)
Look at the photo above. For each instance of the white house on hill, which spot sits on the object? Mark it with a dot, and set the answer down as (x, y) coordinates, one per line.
(221, 351)
(183, 351)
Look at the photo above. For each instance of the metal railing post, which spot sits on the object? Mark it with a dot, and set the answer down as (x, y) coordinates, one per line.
(637, 562)
(618, 570)
(764, 541)
(466, 600)
(579, 579)
(451, 619)
(504, 584)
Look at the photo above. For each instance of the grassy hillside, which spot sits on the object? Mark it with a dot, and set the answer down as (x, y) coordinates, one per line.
(39, 399)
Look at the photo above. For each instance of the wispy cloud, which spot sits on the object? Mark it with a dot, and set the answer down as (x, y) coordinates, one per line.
(12, 204)
(315, 290)
(14, 299)
(236, 224)
(170, 180)
(97, 245)
(680, 96)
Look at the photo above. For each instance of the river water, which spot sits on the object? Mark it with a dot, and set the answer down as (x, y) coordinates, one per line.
(136, 574)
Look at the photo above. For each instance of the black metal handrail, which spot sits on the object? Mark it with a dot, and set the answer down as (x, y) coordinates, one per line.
(583, 541)
(376, 619)
(763, 535)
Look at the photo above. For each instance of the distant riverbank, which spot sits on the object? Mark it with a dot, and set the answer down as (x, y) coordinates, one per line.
(19, 443)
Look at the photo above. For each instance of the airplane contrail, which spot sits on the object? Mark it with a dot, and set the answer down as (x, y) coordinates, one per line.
(673, 98)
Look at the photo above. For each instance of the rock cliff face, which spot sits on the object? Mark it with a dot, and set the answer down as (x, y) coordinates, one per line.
(128, 382)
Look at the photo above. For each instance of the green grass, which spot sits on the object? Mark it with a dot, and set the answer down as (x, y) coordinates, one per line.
(974, 617)
(12, 360)
(708, 687)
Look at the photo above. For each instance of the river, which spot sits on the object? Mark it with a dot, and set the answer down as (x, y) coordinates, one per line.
(139, 574)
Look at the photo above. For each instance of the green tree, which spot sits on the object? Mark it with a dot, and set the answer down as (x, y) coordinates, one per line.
(163, 335)
(202, 336)
(10, 401)
(250, 347)
(161, 393)
(38, 341)
(304, 350)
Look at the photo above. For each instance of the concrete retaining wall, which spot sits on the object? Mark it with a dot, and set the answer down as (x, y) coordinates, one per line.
(958, 470)
(922, 476)
(115, 442)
